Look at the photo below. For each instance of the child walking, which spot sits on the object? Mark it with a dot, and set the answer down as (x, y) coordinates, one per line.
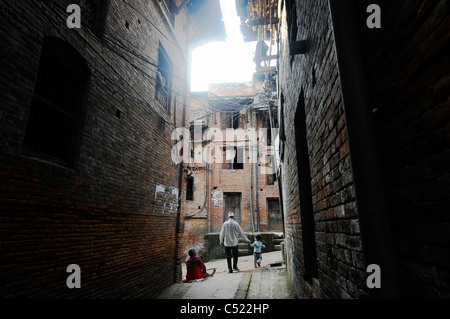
(257, 245)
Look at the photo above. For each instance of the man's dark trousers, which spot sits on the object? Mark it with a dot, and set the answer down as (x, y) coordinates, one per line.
(228, 251)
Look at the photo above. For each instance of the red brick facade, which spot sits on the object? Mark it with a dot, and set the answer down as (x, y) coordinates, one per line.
(405, 63)
(216, 182)
(112, 208)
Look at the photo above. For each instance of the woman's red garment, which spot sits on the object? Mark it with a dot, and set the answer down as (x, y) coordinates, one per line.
(196, 269)
(195, 273)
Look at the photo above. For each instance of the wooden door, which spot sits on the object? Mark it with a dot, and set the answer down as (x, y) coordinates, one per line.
(232, 204)
(274, 215)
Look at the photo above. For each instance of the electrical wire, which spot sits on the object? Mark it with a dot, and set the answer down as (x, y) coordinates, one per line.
(138, 98)
(147, 59)
(113, 44)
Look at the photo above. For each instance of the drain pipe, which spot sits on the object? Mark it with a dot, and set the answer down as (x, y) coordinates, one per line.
(208, 229)
(376, 235)
(178, 236)
(257, 173)
(251, 172)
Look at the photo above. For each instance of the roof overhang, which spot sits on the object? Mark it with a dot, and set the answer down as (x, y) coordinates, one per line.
(209, 22)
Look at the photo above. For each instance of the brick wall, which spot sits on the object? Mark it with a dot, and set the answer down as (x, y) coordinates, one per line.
(211, 211)
(114, 213)
(338, 247)
(408, 78)
(195, 212)
(407, 73)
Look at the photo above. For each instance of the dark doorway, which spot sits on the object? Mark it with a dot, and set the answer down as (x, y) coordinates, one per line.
(232, 204)
(304, 184)
(274, 214)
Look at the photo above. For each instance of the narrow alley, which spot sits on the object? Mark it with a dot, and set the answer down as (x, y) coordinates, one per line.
(143, 139)
(267, 282)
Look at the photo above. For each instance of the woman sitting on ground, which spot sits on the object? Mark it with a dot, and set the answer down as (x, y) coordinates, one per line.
(196, 269)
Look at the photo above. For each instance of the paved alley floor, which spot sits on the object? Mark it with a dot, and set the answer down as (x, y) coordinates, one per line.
(266, 282)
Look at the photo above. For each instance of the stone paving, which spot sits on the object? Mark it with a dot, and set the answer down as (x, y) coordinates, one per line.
(266, 282)
(269, 283)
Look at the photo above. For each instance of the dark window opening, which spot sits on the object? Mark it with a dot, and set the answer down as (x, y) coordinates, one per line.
(54, 119)
(227, 163)
(304, 184)
(197, 131)
(163, 79)
(225, 120)
(171, 9)
(292, 23)
(292, 19)
(233, 158)
(192, 140)
(238, 162)
(271, 179)
(235, 119)
(94, 14)
(231, 120)
(268, 128)
(192, 132)
(190, 188)
(282, 131)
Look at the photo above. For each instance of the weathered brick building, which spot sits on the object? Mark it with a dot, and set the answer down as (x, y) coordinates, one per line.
(366, 135)
(86, 173)
(221, 176)
(364, 142)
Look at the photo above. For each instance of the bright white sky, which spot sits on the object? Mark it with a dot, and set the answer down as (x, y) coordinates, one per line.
(223, 62)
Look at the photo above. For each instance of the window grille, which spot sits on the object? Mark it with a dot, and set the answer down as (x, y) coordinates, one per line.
(233, 158)
(54, 117)
(163, 79)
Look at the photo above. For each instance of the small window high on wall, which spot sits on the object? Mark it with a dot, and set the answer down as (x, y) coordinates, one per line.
(163, 79)
(233, 158)
(190, 188)
(94, 14)
(231, 120)
(171, 9)
(54, 119)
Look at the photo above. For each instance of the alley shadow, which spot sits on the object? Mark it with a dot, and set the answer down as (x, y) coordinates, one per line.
(248, 282)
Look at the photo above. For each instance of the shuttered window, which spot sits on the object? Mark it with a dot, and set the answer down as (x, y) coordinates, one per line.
(54, 119)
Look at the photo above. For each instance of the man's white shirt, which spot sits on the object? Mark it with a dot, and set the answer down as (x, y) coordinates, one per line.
(230, 233)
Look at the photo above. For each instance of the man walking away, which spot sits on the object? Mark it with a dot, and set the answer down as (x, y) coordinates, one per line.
(229, 234)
